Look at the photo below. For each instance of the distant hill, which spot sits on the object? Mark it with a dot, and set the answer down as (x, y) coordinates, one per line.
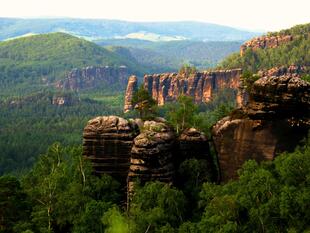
(283, 48)
(31, 63)
(93, 29)
(170, 56)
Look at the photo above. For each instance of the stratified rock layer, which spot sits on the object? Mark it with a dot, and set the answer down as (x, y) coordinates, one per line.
(201, 85)
(107, 144)
(93, 76)
(275, 120)
(151, 154)
(265, 42)
(193, 144)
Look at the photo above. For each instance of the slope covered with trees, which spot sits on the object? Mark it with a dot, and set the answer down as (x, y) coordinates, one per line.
(294, 52)
(60, 194)
(33, 63)
(101, 28)
(28, 125)
(170, 56)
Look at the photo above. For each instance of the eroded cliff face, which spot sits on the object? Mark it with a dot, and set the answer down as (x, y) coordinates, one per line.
(92, 76)
(132, 86)
(107, 143)
(132, 150)
(200, 85)
(275, 119)
(152, 154)
(265, 42)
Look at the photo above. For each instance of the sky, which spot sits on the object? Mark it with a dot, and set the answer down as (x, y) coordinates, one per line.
(263, 15)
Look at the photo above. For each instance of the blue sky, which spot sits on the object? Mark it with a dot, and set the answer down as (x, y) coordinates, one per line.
(248, 14)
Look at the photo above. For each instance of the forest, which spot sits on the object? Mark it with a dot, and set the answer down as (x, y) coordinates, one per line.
(47, 186)
(60, 194)
(294, 52)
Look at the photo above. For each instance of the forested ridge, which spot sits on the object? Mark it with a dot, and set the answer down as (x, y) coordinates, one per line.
(47, 186)
(34, 63)
(28, 125)
(295, 52)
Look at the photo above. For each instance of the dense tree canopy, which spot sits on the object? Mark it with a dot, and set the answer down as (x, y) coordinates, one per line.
(295, 52)
(60, 194)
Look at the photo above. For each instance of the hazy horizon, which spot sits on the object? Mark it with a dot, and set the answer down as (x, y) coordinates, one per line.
(248, 15)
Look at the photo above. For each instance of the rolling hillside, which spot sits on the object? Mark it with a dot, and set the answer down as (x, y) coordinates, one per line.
(104, 29)
(170, 56)
(32, 63)
(296, 51)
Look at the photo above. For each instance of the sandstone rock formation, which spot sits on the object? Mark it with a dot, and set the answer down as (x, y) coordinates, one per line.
(151, 154)
(193, 144)
(264, 42)
(107, 144)
(92, 76)
(131, 88)
(201, 85)
(275, 119)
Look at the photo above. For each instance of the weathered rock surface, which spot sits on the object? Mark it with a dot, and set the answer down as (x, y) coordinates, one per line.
(131, 88)
(193, 144)
(93, 76)
(265, 42)
(151, 154)
(275, 119)
(201, 85)
(107, 143)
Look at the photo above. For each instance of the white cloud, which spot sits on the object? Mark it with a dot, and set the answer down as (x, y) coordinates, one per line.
(250, 14)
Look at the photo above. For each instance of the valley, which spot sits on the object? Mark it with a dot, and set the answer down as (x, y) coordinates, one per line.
(117, 127)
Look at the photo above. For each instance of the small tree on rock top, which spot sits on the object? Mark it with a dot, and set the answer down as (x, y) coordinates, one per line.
(144, 103)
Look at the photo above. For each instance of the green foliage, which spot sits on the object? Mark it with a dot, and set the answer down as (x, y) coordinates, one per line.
(155, 205)
(306, 78)
(63, 191)
(248, 79)
(115, 221)
(61, 195)
(14, 207)
(144, 103)
(301, 29)
(30, 63)
(30, 124)
(181, 115)
(187, 70)
(294, 52)
(271, 197)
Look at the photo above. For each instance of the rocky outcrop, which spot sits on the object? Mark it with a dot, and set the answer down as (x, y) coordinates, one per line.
(63, 100)
(265, 42)
(152, 154)
(107, 143)
(94, 76)
(200, 85)
(193, 144)
(131, 88)
(275, 119)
